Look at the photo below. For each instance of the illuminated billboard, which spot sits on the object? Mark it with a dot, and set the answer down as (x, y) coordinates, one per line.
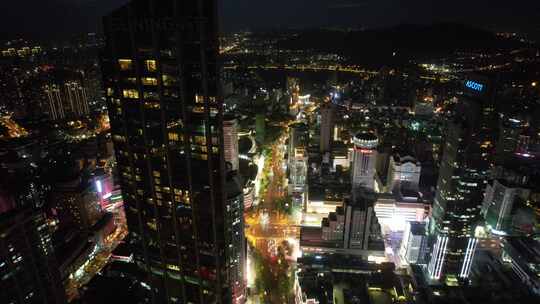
(477, 87)
(474, 85)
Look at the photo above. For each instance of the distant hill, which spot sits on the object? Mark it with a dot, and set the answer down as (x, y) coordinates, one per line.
(377, 46)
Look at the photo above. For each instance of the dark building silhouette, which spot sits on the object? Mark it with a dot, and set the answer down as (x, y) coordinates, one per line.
(161, 82)
(28, 266)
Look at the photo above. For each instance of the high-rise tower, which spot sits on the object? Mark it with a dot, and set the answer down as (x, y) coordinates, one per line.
(327, 127)
(298, 164)
(230, 133)
(161, 80)
(364, 158)
(29, 270)
(67, 100)
(462, 181)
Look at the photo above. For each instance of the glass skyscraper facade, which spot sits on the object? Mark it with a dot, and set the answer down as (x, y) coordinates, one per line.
(161, 81)
(463, 177)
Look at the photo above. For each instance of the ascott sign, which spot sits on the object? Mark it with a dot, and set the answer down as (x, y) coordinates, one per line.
(474, 85)
(478, 87)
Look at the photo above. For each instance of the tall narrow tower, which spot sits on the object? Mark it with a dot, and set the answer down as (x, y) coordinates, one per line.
(364, 158)
(327, 127)
(230, 133)
(161, 80)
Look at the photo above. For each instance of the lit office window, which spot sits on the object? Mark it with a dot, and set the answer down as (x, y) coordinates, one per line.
(173, 136)
(149, 81)
(151, 105)
(151, 65)
(199, 140)
(125, 64)
(151, 95)
(169, 80)
(130, 93)
(198, 110)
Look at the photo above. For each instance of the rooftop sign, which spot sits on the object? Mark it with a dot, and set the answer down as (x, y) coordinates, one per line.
(474, 85)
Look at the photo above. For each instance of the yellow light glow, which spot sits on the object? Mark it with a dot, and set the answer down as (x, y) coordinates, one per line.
(125, 64)
(151, 65)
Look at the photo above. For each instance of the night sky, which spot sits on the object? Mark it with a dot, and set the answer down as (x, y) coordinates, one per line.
(58, 18)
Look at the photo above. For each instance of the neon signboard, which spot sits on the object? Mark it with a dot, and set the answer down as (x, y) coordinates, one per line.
(474, 85)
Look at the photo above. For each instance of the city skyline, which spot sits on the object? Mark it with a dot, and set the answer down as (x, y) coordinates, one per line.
(60, 19)
(284, 152)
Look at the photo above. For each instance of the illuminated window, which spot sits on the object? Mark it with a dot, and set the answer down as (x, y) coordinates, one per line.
(110, 91)
(198, 109)
(173, 136)
(199, 140)
(118, 138)
(173, 267)
(151, 105)
(152, 225)
(125, 64)
(151, 95)
(149, 81)
(130, 93)
(151, 65)
(168, 80)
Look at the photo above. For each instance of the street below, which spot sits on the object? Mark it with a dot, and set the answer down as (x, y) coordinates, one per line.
(272, 234)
